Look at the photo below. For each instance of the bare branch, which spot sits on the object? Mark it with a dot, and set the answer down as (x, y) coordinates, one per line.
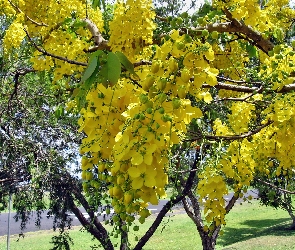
(245, 89)
(30, 19)
(17, 74)
(137, 64)
(242, 99)
(44, 52)
(164, 19)
(232, 137)
(99, 41)
(231, 202)
(233, 26)
(232, 87)
(274, 186)
(287, 88)
(264, 44)
(185, 171)
(188, 185)
(99, 232)
(222, 78)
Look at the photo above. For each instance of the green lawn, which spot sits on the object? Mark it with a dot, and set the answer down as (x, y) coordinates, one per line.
(249, 227)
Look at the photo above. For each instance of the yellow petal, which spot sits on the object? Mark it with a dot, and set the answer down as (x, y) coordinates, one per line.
(174, 138)
(137, 159)
(148, 159)
(151, 148)
(137, 183)
(207, 97)
(149, 181)
(134, 172)
(153, 198)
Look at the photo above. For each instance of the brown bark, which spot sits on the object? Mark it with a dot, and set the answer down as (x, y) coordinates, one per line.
(97, 232)
(124, 238)
(188, 185)
(93, 226)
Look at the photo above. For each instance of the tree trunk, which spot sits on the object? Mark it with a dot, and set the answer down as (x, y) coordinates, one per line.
(287, 205)
(124, 237)
(209, 242)
(292, 227)
(194, 212)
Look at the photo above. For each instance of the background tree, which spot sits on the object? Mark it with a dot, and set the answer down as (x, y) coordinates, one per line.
(276, 189)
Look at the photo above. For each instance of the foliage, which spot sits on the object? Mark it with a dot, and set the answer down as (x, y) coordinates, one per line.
(144, 98)
(275, 189)
(38, 143)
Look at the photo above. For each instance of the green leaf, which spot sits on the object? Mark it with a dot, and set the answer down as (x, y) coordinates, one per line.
(90, 69)
(126, 63)
(93, 61)
(95, 4)
(111, 70)
(78, 23)
(251, 50)
(59, 112)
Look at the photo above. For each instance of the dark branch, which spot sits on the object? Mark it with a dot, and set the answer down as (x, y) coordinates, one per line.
(166, 208)
(232, 137)
(274, 186)
(31, 20)
(264, 44)
(44, 52)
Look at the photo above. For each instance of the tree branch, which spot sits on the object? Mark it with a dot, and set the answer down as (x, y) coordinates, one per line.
(231, 203)
(91, 228)
(44, 52)
(274, 186)
(232, 87)
(264, 44)
(20, 11)
(232, 137)
(242, 99)
(166, 208)
(140, 63)
(95, 226)
(99, 41)
(222, 78)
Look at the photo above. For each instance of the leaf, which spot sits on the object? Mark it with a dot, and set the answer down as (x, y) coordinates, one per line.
(126, 63)
(90, 69)
(114, 68)
(60, 111)
(95, 4)
(251, 50)
(93, 61)
(88, 78)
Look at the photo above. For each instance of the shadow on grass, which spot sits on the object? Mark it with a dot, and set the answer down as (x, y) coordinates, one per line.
(256, 228)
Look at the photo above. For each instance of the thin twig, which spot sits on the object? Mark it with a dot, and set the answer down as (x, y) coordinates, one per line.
(44, 52)
(164, 19)
(140, 63)
(20, 11)
(274, 186)
(232, 137)
(241, 99)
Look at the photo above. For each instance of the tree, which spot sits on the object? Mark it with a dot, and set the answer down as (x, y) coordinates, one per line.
(276, 190)
(219, 83)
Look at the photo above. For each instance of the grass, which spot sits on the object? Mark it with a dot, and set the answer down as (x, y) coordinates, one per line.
(250, 227)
